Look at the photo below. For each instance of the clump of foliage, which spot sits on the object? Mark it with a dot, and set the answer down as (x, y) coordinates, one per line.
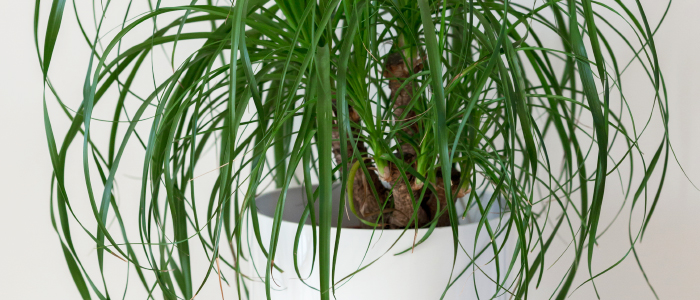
(408, 105)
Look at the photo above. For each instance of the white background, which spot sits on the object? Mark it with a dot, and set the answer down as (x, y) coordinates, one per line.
(32, 264)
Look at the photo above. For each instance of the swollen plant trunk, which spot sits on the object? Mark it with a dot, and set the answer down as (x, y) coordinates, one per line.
(368, 206)
(437, 204)
(355, 118)
(397, 70)
(404, 196)
(405, 192)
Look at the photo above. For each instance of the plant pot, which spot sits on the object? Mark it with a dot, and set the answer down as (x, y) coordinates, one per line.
(423, 273)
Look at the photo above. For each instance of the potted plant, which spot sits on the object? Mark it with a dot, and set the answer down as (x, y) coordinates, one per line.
(420, 116)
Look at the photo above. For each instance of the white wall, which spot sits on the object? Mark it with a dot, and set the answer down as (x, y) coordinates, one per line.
(32, 265)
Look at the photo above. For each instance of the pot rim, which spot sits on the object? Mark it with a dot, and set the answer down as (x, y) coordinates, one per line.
(263, 215)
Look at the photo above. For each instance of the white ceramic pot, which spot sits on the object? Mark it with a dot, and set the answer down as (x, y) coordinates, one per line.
(423, 273)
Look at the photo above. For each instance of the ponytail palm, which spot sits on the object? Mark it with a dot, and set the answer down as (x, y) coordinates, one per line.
(408, 105)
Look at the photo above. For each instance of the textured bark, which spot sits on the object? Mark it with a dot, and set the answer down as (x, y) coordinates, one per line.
(440, 197)
(355, 118)
(397, 71)
(367, 205)
(403, 202)
(404, 195)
